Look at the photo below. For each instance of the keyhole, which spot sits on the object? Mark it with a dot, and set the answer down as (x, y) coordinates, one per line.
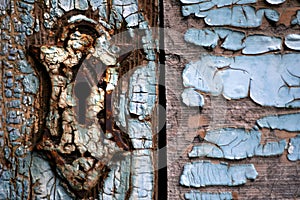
(82, 91)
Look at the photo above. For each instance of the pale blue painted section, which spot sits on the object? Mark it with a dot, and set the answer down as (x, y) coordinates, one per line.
(117, 183)
(240, 79)
(205, 149)
(287, 122)
(237, 16)
(271, 148)
(219, 3)
(46, 184)
(4, 4)
(275, 2)
(205, 173)
(272, 15)
(192, 1)
(292, 41)
(205, 37)
(256, 44)
(235, 144)
(271, 80)
(236, 40)
(294, 149)
(140, 134)
(24, 67)
(194, 195)
(31, 84)
(296, 20)
(233, 41)
(192, 98)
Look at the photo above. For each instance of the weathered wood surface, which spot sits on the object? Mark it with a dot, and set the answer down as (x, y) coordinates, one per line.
(51, 53)
(221, 81)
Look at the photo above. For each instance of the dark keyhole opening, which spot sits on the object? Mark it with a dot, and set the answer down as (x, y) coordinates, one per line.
(82, 91)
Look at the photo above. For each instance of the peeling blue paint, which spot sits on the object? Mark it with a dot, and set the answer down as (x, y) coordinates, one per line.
(31, 84)
(45, 180)
(271, 148)
(272, 15)
(192, 98)
(205, 173)
(140, 134)
(275, 2)
(4, 4)
(294, 149)
(195, 195)
(234, 40)
(271, 80)
(287, 122)
(24, 67)
(234, 144)
(256, 44)
(219, 3)
(296, 20)
(239, 78)
(292, 41)
(66, 5)
(241, 16)
(205, 37)
(141, 104)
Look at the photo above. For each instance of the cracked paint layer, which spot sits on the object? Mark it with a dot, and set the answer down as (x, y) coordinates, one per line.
(240, 16)
(121, 12)
(142, 91)
(19, 94)
(45, 182)
(235, 144)
(205, 173)
(96, 148)
(194, 195)
(292, 41)
(83, 148)
(275, 2)
(257, 44)
(192, 98)
(207, 4)
(137, 99)
(219, 3)
(294, 149)
(271, 80)
(296, 19)
(135, 169)
(233, 40)
(83, 154)
(287, 122)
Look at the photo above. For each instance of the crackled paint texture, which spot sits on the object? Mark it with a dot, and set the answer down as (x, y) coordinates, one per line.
(241, 16)
(50, 149)
(247, 52)
(235, 144)
(269, 80)
(19, 86)
(194, 195)
(294, 149)
(235, 40)
(288, 122)
(205, 173)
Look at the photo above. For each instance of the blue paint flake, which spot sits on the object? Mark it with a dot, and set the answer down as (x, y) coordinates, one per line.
(235, 144)
(195, 195)
(287, 122)
(274, 79)
(294, 149)
(205, 173)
